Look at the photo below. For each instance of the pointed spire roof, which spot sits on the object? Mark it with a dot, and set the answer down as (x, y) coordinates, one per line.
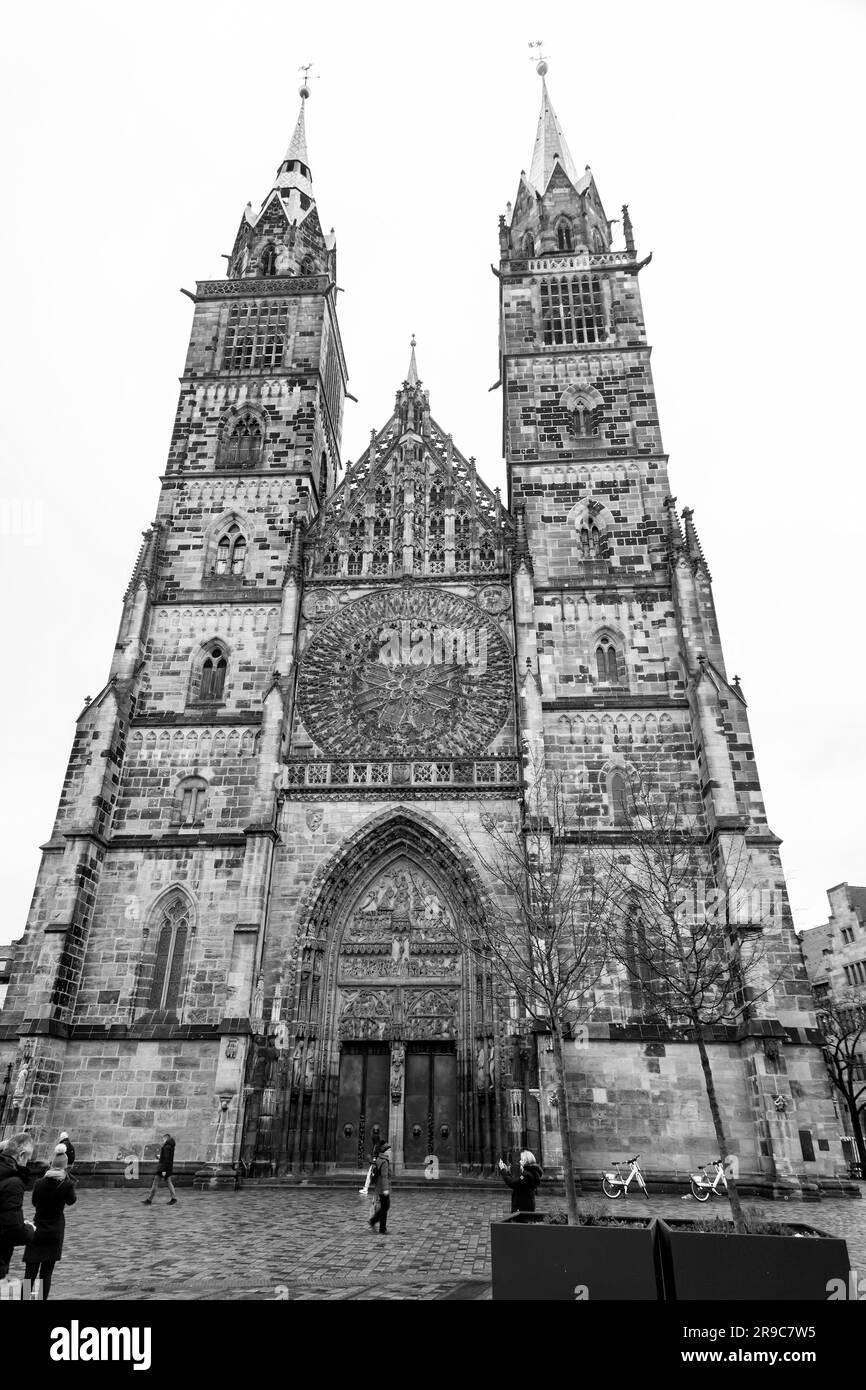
(550, 146)
(298, 143)
(413, 377)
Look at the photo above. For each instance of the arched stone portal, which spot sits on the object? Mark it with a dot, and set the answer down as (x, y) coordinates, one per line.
(392, 1025)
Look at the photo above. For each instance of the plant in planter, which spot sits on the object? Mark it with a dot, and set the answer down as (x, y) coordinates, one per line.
(710, 1261)
(545, 1256)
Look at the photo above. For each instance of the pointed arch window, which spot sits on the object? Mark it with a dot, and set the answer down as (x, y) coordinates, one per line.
(383, 497)
(331, 562)
(268, 260)
(231, 552)
(528, 245)
(171, 941)
(356, 561)
(214, 669)
(487, 557)
(437, 560)
(380, 561)
(382, 527)
(564, 235)
(356, 529)
(462, 560)
(648, 997)
(242, 444)
(606, 662)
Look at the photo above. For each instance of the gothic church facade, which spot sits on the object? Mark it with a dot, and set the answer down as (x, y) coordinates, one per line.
(254, 918)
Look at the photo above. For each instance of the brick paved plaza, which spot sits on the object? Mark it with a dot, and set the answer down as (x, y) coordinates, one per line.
(313, 1243)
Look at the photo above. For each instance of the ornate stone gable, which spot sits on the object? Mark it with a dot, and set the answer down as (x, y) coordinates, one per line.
(412, 505)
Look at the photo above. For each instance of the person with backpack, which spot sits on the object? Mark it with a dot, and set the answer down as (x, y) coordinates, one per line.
(381, 1184)
(52, 1193)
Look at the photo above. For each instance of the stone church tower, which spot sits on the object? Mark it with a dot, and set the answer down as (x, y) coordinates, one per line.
(254, 919)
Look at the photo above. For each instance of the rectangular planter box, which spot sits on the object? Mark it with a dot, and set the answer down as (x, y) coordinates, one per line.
(700, 1266)
(535, 1262)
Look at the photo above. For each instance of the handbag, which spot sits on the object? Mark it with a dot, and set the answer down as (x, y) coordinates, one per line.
(375, 1206)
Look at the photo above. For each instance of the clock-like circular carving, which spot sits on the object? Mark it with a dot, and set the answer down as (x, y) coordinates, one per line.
(414, 672)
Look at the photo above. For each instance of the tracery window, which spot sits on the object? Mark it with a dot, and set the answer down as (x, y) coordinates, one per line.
(173, 930)
(589, 539)
(564, 238)
(242, 443)
(606, 662)
(212, 678)
(231, 552)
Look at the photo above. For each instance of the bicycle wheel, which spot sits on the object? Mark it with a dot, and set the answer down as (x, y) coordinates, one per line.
(610, 1189)
(700, 1194)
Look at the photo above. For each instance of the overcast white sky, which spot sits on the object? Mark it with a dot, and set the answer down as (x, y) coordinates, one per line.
(135, 135)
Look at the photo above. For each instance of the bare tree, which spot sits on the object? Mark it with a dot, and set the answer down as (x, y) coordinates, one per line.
(670, 927)
(843, 1024)
(546, 936)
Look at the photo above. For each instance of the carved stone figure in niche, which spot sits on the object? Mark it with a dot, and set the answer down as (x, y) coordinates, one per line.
(259, 998)
(281, 1035)
(21, 1081)
(398, 1062)
(480, 1067)
(309, 1070)
(491, 1064)
(297, 1058)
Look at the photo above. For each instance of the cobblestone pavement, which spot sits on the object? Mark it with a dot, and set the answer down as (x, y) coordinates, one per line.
(314, 1243)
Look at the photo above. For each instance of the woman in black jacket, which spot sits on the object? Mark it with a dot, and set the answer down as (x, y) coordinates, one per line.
(524, 1186)
(15, 1154)
(51, 1193)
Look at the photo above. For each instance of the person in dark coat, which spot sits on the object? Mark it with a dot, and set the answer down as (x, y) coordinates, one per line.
(525, 1185)
(15, 1154)
(381, 1185)
(51, 1193)
(164, 1170)
(66, 1143)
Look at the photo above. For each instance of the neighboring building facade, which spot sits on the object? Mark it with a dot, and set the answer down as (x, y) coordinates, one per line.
(254, 919)
(835, 959)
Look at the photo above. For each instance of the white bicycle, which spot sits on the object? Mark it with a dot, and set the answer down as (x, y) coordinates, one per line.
(702, 1184)
(617, 1184)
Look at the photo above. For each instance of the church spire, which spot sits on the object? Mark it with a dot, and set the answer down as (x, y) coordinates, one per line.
(550, 143)
(294, 172)
(413, 377)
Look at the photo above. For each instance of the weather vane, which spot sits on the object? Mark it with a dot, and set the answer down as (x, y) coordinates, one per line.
(538, 57)
(305, 80)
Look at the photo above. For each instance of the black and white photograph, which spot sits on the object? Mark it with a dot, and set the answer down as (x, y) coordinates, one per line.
(431, 530)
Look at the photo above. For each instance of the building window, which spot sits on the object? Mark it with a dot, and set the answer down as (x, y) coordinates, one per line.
(214, 668)
(620, 798)
(528, 245)
(190, 799)
(487, 558)
(356, 561)
(855, 974)
(231, 552)
(437, 560)
(254, 338)
(331, 563)
(847, 935)
(572, 310)
(564, 239)
(242, 444)
(165, 989)
(461, 559)
(606, 662)
(380, 561)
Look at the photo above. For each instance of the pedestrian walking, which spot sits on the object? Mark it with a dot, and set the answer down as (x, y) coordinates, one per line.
(381, 1185)
(15, 1154)
(524, 1184)
(374, 1154)
(164, 1170)
(66, 1142)
(54, 1191)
